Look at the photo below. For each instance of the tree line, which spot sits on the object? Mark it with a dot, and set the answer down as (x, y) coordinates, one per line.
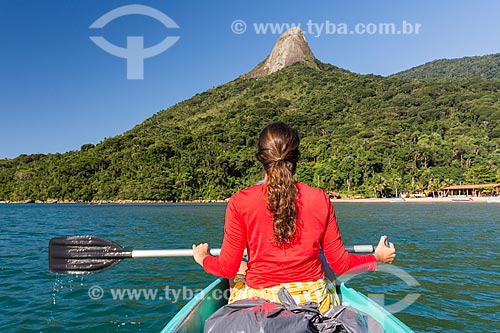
(361, 135)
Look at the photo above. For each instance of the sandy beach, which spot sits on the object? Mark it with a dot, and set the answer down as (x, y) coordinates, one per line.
(419, 200)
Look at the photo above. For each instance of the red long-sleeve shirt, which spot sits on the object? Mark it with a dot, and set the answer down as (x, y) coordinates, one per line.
(249, 225)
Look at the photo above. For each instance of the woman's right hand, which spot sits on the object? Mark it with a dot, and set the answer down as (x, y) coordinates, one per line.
(385, 254)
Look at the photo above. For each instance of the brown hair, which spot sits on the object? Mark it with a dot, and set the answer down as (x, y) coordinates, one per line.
(278, 151)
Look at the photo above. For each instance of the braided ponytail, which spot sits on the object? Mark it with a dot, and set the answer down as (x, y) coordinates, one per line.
(278, 151)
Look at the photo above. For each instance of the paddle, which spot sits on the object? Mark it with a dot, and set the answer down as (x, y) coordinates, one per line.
(91, 254)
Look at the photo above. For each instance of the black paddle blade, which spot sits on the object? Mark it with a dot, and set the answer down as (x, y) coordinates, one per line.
(84, 254)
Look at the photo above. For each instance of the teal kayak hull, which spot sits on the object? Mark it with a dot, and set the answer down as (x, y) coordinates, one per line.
(192, 316)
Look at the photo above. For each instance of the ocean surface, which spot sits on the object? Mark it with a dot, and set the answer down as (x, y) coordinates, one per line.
(448, 259)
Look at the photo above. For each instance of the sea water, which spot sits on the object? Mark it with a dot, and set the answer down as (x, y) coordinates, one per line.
(447, 259)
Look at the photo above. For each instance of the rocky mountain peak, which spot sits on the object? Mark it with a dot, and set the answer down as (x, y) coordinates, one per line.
(290, 48)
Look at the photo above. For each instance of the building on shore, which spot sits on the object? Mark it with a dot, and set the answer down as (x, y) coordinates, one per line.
(483, 190)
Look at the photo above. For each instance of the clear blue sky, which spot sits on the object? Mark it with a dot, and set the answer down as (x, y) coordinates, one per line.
(58, 90)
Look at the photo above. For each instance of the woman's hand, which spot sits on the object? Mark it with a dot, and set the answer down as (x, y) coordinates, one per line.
(385, 254)
(200, 251)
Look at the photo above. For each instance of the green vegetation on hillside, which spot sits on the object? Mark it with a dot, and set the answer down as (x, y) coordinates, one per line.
(361, 135)
(446, 70)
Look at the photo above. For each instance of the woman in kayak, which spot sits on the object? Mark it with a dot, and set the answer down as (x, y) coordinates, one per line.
(283, 223)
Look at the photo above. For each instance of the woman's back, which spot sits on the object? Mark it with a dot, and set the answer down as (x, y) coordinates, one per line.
(270, 264)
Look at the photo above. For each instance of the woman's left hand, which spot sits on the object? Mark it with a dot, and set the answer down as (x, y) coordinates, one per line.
(200, 251)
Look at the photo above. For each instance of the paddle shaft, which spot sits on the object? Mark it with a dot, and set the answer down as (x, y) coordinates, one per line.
(91, 254)
(216, 252)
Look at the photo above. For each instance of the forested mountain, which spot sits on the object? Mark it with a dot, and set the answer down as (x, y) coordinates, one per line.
(445, 70)
(361, 135)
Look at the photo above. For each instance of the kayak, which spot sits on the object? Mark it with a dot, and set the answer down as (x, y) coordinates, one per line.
(192, 316)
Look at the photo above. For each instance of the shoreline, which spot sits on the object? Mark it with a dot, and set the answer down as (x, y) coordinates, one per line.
(419, 200)
(359, 200)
